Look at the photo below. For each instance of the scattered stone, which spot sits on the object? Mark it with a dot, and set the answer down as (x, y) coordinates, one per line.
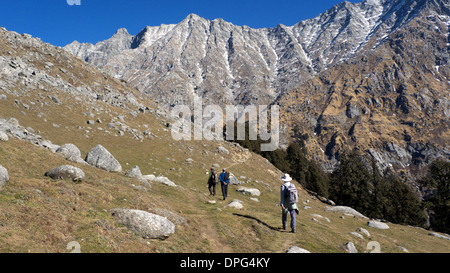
(101, 158)
(234, 180)
(356, 234)
(189, 161)
(441, 236)
(364, 232)
(47, 144)
(222, 150)
(296, 249)
(403, 249)
(236, 204)
(212, 202)
(3, 136)
(4, 176)
(71, 153)
(254, 199)
(3, 97)
(135, 172)
(66, 172)
(149, 177)
(320, 217)
(344, 209)
(377, 224)
(146, 224)
(164, 180)
(350, 247)
(251, 191)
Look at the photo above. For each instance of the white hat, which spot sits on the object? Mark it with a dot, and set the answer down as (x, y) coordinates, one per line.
(286, 177)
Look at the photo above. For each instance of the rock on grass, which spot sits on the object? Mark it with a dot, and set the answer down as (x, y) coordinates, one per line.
(101, 158)
(147, 225)
(66, 172)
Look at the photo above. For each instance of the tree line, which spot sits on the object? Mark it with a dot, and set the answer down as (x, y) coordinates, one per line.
(376, 195)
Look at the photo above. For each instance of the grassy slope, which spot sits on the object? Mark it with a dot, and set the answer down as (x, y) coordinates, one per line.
(41, 215)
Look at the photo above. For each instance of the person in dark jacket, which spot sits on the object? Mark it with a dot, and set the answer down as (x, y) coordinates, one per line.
(212, 181)
(224, 181)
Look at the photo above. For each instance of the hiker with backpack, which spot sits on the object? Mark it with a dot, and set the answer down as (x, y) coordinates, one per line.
(212, 181)
(289, 199)
(224, 181)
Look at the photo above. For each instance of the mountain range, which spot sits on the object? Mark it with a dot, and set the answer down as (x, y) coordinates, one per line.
(371, 76)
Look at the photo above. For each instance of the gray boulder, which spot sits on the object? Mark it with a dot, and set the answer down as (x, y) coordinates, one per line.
(147, 225)
(101, 158)
(66, 172)
(222, 150)
(164, 180)
(135, 172)
(296, 249)
(377, 224)
(71, 153)
(236, 204)
(350, 247)
(4, 176)
(3, 136)
(234, 180)
(346, 210)
(251, 191)
(441, 236)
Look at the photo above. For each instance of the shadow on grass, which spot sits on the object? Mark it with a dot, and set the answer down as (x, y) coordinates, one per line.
(279, 229)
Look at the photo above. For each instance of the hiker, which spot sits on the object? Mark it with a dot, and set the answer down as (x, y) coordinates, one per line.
(289, 199)
(224, 181)
(212, 181)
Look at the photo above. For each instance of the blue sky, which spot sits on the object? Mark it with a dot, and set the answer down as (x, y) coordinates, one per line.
(58, 23)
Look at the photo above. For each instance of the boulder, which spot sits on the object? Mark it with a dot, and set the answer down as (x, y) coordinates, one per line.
(71, 153)
(234, 180)
(47, 144)
(377, 224)
(222, 150)
(440, 236)
(146, 224)
(135, 172)
(3, 136)
(251, 191)
(101, 158)
(66, 172)
(364, 231)
(296, 249)
(164, 180)
(149, 177)
(350, 247)
(4, 176)
(236, 204)
(347, 210)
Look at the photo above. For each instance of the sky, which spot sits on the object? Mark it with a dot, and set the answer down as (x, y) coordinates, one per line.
(60, 22)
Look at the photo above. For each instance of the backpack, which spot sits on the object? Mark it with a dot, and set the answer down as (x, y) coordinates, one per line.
(291, 194)
(213, 179)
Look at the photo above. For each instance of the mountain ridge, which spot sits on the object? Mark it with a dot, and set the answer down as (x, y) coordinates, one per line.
(276, 59)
